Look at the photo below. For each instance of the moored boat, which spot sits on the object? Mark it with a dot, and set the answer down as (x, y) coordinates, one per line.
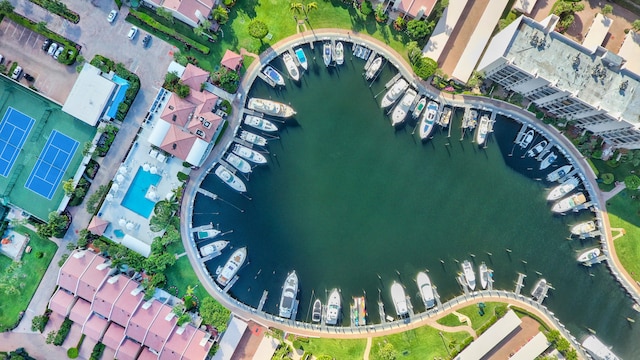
(538, 288)
(207, 234)
(358, 311)
(597, 349)
(400, 111)
(231, 267)
(339, 53)
(399, 299)
(270, 107)
(445, 117)
(428, 120)
(373, 68)
(419, 107)
(559, 173)
(302, 58)
(394, 93)
(230, 179)
(273, 74)
(584, 228)
(291, 66)
(239, 163)
(249, 154)
(536, 150)
(589, 255)
(469, 274)
(253, 138)
(563, 189)
(569, 203)
(484, 275)
(289, 294)
(548, 160)
(333, 307)
(483, 130)
(260, 124)
(214, 247)
(527, 139)
(426, 290)
(316, 314)
(326, 53)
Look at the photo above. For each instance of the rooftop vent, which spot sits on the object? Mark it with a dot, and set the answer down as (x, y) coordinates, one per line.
(204, 340)
(78, 254)
(206, 124)
(169, 316)
(170, 107)
(136, 291)
(102, 266)
(181, 329)
(147, 304)
(112, 280)
(200, 133)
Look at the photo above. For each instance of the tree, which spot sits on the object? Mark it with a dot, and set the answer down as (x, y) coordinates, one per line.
(399, 24)
(366, 8)
(258, 29)
(418, 29)
(214, 314)
(39, 322)
(220, 14)
(296, 8)
(180, 58)
(632, 182)
(68, 186)
(381, 13)
(41, 26)
(636, 25)
(386, 351)
(178, 309)
(6, 7)
(310, 6)
(425, 67)
(607, 10)
(157, 263)
(95, 198)
(164, 13)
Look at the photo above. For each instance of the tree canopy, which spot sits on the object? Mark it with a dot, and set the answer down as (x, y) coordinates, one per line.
(214, 314)
(258, 29)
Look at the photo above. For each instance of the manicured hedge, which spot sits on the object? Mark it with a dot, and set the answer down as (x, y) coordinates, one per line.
(96, 354)
(61, 335)
(58, 8)
(151, 22)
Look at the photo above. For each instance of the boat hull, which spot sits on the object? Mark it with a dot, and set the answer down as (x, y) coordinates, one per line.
(339, 53)
(326, 54)
(289, 294)
(230, 179)
(316, 315)
(260, 124)
(253, 138)
(333, 307)
(270, 107)
(291, 66)
(274, 75)
(400, 111)
(399, 299)
(394, 93)
(426, 290)
(563, 189)
(302, 58)
(232, 266)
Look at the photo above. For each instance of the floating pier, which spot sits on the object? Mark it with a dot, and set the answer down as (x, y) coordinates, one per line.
(211, 256)
(243, 142)
(208, 194)
(437, 297)
(294, 311)
(370, 60)
(520, 283)
(410, 306)
(230, 168)
(545, 289)
(383, 316)
(253, 112)
(263, 299)
(392, 81)
(568, 176)
(597, 260)
(462, 283)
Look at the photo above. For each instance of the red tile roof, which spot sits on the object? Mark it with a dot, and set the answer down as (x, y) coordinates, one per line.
(92, 278)
(231, 60)
(177, 110)
(113, 336)
(177, 344)
(142, 319)
(128, 350)
(193, 76)
(94, 327)
(108, 293)
(126, 304)
(71, 270)
(146, 354)
(160, 328)
(61, 302)
(178, 142)
(80, 311)
(195, 351)
(97, 225)
(413, 7)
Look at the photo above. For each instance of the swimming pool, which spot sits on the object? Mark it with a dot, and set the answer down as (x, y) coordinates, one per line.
(135, 199)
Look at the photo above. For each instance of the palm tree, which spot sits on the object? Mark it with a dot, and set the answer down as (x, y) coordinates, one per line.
(296, 9)
(221, 15)
(308, 8)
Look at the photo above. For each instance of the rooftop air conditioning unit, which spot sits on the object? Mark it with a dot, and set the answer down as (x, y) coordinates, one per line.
(136, 291)
(112, 280)
(169, 316)
(147, 304)
(79, 254)
(102, 266)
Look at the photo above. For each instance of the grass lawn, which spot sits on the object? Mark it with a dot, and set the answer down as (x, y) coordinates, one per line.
(619, 172)
(31, 273)
(336, 348)
(419, 344)
(450, 320)
(476, 320)
(181, 275)
(623, 213)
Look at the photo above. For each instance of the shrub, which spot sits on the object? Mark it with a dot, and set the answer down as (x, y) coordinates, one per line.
(182, 176)
(39, 254)
(154, 24)
(61, 335)
(58, 8)
(425, 67)
(96, 354)
(32, 25)
(366, 8)
(39, 322)
(607, 178)
(72, 353)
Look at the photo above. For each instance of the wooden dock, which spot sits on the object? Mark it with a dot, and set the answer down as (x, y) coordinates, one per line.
(437, 297)
(462, 283)
(410, 306)
(520, 283)
(393, 80)
(243, 142)
(294, 311)
(372, 57)
(490, 282)
(253, 113)
(207, 193)
(263, 300)
(227, 166)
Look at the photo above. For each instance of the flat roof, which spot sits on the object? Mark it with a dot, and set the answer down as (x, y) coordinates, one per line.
(531, 350)
(490, 338)
(597, 32)
(266, 348)
(525, 6)
(230, 339)
(441, 34)
(89, 96)
(478, 40)
(630, 51)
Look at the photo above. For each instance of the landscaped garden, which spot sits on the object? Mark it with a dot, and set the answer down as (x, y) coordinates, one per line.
(624, 212)
(421, 343)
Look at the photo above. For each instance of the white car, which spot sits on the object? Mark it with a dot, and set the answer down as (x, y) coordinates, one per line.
(112, 16)
(16, 73)
(52, 49)
(132, 33)
(58, 52)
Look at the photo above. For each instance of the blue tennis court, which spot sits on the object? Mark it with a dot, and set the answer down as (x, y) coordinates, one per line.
(51, 165)
(14, 129)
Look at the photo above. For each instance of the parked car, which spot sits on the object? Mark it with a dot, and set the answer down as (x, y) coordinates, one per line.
(146, 40)
(132, 33)
(46, 44)
(1, 59)
(29, 77)
(52, 49)
(16, 73)
(58, 52)
(112, 16)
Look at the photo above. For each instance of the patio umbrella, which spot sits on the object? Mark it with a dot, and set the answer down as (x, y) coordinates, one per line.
(115, 187)
(122, 169)
(109, 197)
(120, 177)
(153, 170)
(129, 225)
(122, 222)
(146, 167)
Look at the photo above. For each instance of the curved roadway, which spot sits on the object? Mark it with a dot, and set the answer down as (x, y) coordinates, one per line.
(552, 134)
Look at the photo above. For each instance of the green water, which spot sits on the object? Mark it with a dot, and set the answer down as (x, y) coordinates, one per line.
(349, 202)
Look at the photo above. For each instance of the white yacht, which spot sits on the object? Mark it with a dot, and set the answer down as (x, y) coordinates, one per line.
(569, 203)
(302, 58)
(270, 107)
(483, 130)
(326, 53)
(208, 234)
(484, 275)
(469, 274)
(249, 154)
(589, 255)
(584, 228)
(428, 120)
(527, 139)
(291, 66)
(419, 107)
(232, 266)
(426, 290)
(333, 307)
(214, 247)
(548, 160)
(338, 53)
(373, 68)
(260, 124)
(536, 150)
(394, 93)
(230, 179)
(253, 138)
(563, 189)
(400, 111)
(559, 173)
(289, 294)
(274, 75)
(399, 299)
(597, 349)
(239, 163)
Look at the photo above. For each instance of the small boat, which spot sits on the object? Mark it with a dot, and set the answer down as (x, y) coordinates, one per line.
(316, 314)
(400, 111)
(231, 267)
(584, 228)
(473, 119)
(548, 160)
(559, 173)
(527, 139)
(230, 179)
(326, 53)
(426, 290)
(249, 154)
(484, 275)
(270, 107)
(569, 203)
(260, 124)
(333, 307)
(302, 58)
(289, 294)
(428, 120)
(536, 150)
(445, 117)
(394, 93)
(589, 255)
(338, 53)
(239, 163)
(253, 138)
(359, 311)
(483, 129)
(469, 275)
(214, 247)
(373, 68)
(563, 189)
(419, 107)
(208, 234)
(291, 66)
(399, 299)
(273, 74)
(597, 349)
(538, 289)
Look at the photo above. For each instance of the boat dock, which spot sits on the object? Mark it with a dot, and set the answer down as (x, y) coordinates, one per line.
(490, 282)
(228, 166)
(361, 52)
(253, 112)
(544, 151)
(263, 299)
(294, 311)
(383, 316)
(597, 260)
(211, 256)
(243, 143)
(392, 81)
(521, 133)
(568, 176)
(370, 60)
(230, 284)
(266, 79)
(410, 306)
(520, 283)
(294, 56)
(462, 284)
(207, 193)
(437, 297)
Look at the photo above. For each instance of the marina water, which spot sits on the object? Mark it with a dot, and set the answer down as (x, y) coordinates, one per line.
(349, 202)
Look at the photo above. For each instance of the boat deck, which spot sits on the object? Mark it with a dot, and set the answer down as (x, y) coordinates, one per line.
(545, 151)
(208, 226)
